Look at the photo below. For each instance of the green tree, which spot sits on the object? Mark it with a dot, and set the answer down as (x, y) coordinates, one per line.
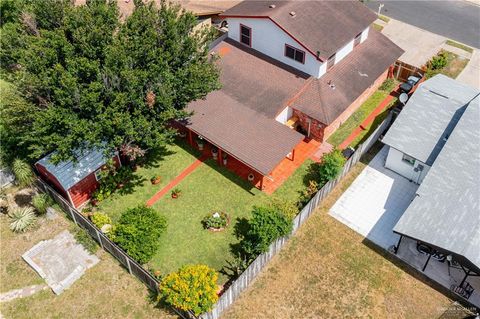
(266, 225)
(331, 166)
(94, 80)
(193, 288)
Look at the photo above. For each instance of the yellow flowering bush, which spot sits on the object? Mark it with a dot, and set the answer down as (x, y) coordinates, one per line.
(192, 288)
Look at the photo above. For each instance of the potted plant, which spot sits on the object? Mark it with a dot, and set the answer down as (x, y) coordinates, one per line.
(224, 156)
(214, 153)
(176, 192)
(155, 179)
(182, 134)
(200, 143)
(251, 177)
(216, 221)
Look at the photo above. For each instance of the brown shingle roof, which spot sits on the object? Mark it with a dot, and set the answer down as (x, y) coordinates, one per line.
(259, 82)
(256, 140)
(351, 77)
(323, 26)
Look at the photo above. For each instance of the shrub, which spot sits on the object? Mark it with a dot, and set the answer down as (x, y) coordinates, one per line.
(265, 226)
(438, 62)
(23, 172)
(100, 219)
(193, 288)
(22, 218)
(215, 220)
(288, 209)
(387, 85)
(138, 232)
(84, 239)
(111, 177)
(331, 165)
(41, 202)
(307, 193)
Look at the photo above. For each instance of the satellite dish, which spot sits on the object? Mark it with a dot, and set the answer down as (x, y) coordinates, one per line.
(403, 98)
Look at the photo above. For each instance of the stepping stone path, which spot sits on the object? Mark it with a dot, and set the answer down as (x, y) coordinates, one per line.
(20, 293)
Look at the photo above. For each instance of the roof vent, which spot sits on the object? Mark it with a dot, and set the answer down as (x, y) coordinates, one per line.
(331, 85)
(292, 13)
(272, 6)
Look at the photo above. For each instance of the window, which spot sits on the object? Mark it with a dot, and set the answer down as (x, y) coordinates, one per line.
(98, 174)
(357, 40)
(245, 35)
(408, 159)
(295, 54)
(331, 61)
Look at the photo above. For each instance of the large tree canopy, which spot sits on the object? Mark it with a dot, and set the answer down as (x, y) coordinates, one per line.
(93, 79)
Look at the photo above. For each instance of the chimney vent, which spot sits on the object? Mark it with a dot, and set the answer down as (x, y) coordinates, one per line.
(292, 13)
(272, 6)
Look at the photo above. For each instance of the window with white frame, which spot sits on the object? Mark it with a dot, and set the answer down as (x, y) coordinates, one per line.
(98, 174)
(408, 159)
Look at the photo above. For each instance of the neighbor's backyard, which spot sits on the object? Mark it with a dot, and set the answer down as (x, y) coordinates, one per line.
(209, 188)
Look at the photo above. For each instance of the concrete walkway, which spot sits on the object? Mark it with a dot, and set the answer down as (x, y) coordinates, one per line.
(22, 292)
(471, 74)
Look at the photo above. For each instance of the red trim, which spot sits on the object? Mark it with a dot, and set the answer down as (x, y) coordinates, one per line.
(249, 38)
(285, 53)
(278, 25)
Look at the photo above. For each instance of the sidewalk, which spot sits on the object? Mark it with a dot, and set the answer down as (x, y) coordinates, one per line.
(420, 45)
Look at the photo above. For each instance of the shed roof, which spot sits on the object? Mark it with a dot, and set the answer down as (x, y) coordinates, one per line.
(323, 26)
(429, 117)
(446, 212)
(253, 138)
(350, 78)
(69, 173)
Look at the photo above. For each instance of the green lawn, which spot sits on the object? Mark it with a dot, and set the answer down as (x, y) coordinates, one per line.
(172, 161)
(208, 189)
(357, 118)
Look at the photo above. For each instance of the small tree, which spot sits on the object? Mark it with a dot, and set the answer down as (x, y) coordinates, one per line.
(138, 232)
(331, 165)
(193, 288)
(266, 225)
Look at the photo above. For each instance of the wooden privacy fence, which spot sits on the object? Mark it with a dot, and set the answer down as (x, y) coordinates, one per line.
(403, 70)
(246, 278)
(133, 267)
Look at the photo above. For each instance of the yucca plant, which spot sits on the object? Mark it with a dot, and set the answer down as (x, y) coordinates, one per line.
(23, 172)
(41, 202)
(22, 218)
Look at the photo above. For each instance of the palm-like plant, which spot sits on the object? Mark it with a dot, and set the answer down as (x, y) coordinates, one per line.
(23, 172)
(41, 203)
(22, 218)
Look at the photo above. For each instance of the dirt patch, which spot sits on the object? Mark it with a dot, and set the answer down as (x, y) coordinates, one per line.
(326, 271)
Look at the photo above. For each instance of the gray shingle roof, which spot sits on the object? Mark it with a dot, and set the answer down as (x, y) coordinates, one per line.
(69, 173)
(446, 212)
(323, 26)
(429, 118)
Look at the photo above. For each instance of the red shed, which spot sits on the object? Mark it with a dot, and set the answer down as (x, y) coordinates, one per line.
(75, 181)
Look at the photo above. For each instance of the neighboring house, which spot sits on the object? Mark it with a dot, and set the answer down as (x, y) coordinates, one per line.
(439, 129)
(75, 181)
(424, 126)
(289, 70)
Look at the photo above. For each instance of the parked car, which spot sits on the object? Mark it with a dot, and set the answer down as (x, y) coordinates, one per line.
(411, 82)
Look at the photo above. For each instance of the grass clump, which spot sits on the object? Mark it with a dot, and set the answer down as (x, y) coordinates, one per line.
(460, 46)
(41, 202)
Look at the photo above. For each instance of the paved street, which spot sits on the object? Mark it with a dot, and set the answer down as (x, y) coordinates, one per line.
(458, 20)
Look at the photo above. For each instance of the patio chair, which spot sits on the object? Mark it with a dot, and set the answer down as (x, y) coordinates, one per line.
(465, 290)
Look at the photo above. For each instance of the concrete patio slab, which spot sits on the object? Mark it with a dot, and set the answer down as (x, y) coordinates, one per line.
(375, 201)
(60, 261)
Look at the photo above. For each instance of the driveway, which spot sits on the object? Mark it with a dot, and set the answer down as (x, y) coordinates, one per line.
(375, 201)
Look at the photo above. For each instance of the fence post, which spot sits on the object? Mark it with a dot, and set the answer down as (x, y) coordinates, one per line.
(128, 266)
(99, 238)
(72, 213)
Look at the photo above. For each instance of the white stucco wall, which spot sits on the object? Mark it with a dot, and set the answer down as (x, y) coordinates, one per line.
(284, 115)
(364, 34)
(395, 163)
(269, 39)
(343, 52)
